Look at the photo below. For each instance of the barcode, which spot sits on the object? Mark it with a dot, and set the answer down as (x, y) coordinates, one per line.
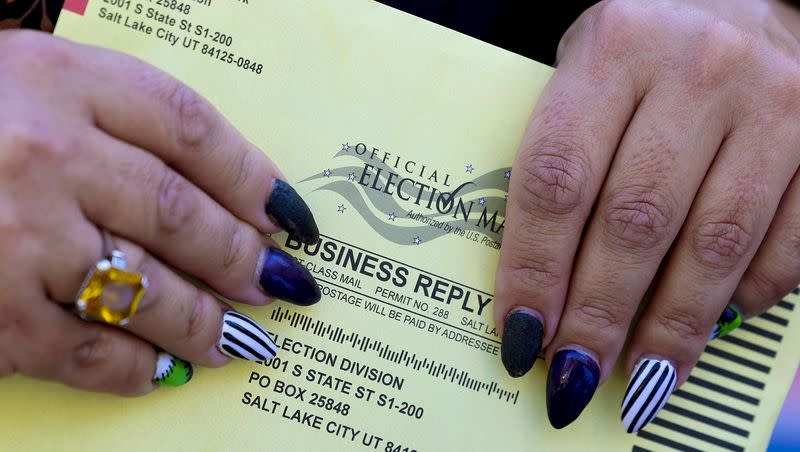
(731, 377)
(362, 343)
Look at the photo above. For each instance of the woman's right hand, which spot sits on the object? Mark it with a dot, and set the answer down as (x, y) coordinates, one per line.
(92, 140)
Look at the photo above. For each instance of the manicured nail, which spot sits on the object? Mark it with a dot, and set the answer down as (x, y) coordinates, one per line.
(730, 319)
(281, 276)
(291, 213)
(648, 391)
(172, 371)
(522, 341)
(571, 382)
(243, 338)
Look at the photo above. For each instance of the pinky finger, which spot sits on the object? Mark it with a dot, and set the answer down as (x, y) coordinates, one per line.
(775, 269)
(92, 356)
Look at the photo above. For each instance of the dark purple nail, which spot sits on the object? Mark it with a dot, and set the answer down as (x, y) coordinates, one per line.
(571, 383)
(283, 277)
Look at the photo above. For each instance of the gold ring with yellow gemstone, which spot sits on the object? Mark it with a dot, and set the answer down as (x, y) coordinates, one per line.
(110, 293)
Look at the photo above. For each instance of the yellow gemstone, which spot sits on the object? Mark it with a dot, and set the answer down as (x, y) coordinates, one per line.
(111, 294)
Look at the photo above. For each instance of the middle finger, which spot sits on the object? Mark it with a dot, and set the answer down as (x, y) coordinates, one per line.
(136, 196)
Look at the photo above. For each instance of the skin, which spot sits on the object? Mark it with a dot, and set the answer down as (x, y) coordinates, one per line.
(663, 154)
(667, 138)
(93, 139)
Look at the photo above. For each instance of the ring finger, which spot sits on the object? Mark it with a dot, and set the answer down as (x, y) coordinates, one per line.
(728, 221)
(180, 318)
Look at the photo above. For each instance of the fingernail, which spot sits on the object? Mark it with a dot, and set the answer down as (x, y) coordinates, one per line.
(571, 382)
(730, 319)
(648, 391)
(243, 338)
(522, 341)
(283, 277)
(291, 213)
(172, 371)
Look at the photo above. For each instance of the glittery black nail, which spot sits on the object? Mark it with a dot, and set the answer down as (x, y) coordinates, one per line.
(291, 213)
(522, 342)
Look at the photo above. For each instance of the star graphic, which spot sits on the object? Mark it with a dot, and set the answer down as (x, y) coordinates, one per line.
(346, 147)
(327, 173)
(417, 240)
(482, 201)
(508, 174)
(392, 217)
(341, 208)
(470, 168)
(351, 177)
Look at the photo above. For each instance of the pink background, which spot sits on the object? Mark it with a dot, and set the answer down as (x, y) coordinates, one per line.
(786, 435)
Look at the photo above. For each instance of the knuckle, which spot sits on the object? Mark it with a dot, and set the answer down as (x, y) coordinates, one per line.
(553, 177)
(96, 351)
(618, 25)
(194, 118)
(176, 204)
(718, 49)
(598, 312)
(34, 52)
(199, 329)
(683, 324)
(531, 274)
(721, 242)
(769, 285)
(236, 250)
(25, 145)
(638, 218)
(242, 170)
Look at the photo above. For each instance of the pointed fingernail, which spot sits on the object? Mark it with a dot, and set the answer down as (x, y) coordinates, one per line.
(730, 319)
(522, 341)
(291, 213)
(172, 371)
(650, 386)
(281, 276)
(243, 338)
(571, 383)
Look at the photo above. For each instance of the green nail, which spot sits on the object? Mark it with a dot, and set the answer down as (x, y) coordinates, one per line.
(172, 371)
(730, 319)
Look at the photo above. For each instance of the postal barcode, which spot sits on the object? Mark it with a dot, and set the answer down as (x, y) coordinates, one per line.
(716, 407)
(399, 356)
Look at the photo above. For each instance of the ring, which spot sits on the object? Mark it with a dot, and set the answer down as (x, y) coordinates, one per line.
(110, 293)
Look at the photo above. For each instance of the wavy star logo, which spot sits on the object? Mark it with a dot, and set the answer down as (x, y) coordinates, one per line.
(409, 203)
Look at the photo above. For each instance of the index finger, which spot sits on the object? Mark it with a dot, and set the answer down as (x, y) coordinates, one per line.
(570, 141)
(147, 107)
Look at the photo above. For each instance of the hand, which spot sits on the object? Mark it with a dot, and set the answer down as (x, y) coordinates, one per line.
(91, 141)
(669, 137)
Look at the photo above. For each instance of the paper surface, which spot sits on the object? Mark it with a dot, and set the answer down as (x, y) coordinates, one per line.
(341, 94)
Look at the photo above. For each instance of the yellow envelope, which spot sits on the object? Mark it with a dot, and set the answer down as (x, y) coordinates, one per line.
(368, 111)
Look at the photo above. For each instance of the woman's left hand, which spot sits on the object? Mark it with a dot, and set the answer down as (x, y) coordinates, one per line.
(669, 137)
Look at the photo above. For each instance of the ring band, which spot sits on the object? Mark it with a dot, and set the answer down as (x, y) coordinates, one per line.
(110, 293)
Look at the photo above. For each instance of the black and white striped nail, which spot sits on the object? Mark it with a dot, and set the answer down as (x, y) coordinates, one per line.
(649, 389)
(243, 338)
